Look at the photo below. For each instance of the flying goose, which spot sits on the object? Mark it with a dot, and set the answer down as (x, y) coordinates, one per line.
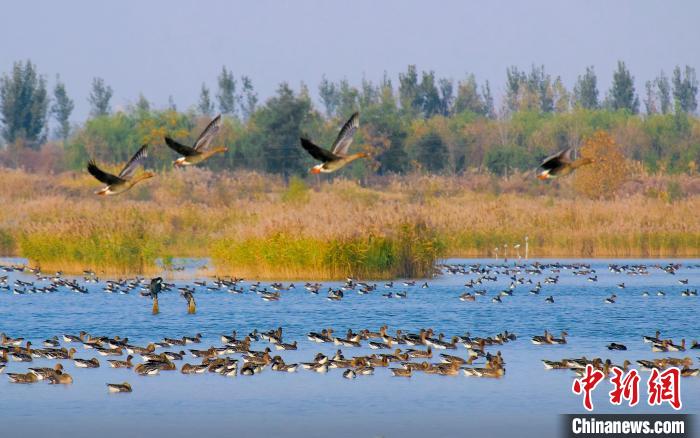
(124, 181)
(197, 153)
(560, 164)
(337, 157)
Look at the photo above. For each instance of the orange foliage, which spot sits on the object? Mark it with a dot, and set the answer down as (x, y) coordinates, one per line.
(609, 171)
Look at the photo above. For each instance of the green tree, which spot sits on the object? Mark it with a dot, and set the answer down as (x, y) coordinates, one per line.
(143, 106)
(539, 84)
(249, 99)
(368, 95)
(650, 100)
(586, 90)
(205, 105)
(347, 99)
(279, 124)
(384, 129)
(446, 96)
(227, 92)
(503, 160)
(330, 99)
(489, 110)
(428, 95)
(622, 94)
(685, 89)
(514, 78)
(468, 98)
(99, 98)
(431, 152)
(61, 109)
(664, 93)
(409, 93)
(560, 96)
(23, 105)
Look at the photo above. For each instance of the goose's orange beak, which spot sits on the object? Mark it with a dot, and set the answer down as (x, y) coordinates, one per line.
(314, 170)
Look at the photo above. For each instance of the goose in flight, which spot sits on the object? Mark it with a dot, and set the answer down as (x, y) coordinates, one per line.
(337, 157)
(197, 153)
(560, 164)
(124, 181)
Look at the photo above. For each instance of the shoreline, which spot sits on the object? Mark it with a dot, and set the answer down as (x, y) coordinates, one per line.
(208, 271)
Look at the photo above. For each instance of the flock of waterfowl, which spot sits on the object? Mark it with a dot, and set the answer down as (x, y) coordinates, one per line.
(331, 160)
(402, 353)
(237, 355)
(578, 365)
(475, 289)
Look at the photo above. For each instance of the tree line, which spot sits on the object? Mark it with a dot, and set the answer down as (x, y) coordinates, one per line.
(421, 123)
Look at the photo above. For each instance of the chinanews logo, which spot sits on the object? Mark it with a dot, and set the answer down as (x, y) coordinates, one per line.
(662, 386)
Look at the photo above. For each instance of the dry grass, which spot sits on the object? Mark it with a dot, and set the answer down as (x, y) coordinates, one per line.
(253, 225)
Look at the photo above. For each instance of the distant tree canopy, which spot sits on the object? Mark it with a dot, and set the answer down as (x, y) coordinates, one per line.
(423, 122)
(506, 159)
(586, 90)
(100, 95)
(61, 109)
(685, 89)
(622, 94)
(431, 152)
(227, 92)
(279, 125)
(249, 98)
(23, 105)
(205, 105)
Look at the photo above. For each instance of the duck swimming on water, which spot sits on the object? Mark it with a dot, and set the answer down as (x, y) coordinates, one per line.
(84, 363)
(119, 387)
(121, 363)
(60, 378)
(22, 378)
(45, 373)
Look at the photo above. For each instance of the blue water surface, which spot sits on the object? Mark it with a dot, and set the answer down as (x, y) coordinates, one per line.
(526, 402)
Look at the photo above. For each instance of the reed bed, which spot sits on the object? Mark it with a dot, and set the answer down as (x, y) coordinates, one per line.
(256, 226)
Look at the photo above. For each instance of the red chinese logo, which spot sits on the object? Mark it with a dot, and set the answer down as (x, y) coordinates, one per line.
(665, 387)
(587, 384)
(662, 386)
(626, 388)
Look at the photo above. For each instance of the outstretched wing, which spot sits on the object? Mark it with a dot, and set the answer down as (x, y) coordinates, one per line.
(155, 287)
(344, 140)
(556, 160)
(180, 148)
(318, 152)
(131, 166)
(101, 175)
(208, 134)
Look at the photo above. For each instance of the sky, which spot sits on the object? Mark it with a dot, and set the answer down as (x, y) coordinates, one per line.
(169, 48)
